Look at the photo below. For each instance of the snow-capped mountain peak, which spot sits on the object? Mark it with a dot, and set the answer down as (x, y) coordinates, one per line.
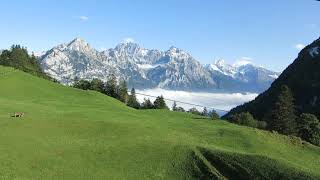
(143, 68)
(220, 62)
(79, 44)
(242, 62)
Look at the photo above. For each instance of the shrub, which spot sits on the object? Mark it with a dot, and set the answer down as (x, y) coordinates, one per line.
(245, 119)
(262, 124)
(194, 111)
(309, 128)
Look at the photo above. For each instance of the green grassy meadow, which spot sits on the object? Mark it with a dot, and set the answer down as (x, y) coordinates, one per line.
(68, 133)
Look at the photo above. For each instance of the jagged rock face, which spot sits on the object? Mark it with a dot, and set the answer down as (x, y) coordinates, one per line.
(302, 77)
(173, 69)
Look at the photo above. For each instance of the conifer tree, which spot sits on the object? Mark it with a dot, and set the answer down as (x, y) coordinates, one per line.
(282, 117)
(174, 106)
(96, 85)
(214, 114)
(123, 92)
(204, 112)
(160, 103)
(132, 100)
(147, 104)
(111, 86)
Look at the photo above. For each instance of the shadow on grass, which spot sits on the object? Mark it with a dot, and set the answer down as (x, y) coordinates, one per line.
(226, 165)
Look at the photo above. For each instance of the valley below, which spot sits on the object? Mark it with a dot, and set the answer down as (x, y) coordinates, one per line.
(221, 102)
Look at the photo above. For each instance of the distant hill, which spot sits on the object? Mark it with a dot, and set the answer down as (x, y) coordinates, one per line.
(174, 69)
(19, 58)
(302, 77)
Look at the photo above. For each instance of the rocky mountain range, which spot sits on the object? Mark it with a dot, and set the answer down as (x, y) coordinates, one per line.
(143, 68)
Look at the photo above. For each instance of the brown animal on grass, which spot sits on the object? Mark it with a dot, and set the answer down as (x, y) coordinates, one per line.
(18, 114)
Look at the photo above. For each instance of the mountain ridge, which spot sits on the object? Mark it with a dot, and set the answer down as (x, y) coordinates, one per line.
(173, 69)
(302, 77)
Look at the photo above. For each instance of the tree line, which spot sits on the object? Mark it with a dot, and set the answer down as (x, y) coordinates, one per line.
(119, 90)
(19, 58)
(285, 119)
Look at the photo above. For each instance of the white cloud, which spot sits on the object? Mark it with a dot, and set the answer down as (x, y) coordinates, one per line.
(84, 18)
(224, 101)
(299, 46)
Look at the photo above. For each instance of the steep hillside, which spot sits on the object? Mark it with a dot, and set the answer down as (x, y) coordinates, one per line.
(69, 133)
(302, 77)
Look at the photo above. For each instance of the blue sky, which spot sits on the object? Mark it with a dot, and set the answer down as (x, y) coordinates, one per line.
(268, 32)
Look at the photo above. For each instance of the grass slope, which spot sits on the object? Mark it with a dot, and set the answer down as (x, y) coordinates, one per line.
(74, 134)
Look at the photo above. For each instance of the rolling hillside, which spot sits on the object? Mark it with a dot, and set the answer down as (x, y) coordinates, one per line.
(74, 134)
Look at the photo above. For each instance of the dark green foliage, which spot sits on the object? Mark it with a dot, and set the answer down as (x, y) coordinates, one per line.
(262, 125)
(180, 109)
(205, 112)
(111, 86)
(132, 100)
(282, 116)
(97, 85)
(160, 103)
(82, 84)
(19, 58)
(214, 115)
(194, 111)
(147, 104)
(174, 106)
(123, 92)
(245, 119)
(309, 128)
(177, 108)
(302, 77)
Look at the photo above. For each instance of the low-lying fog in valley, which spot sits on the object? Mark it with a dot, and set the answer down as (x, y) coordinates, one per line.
(222, 101)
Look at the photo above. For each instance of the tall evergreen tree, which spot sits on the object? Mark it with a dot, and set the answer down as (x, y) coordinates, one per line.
(147, 104)
(214, 114)
(205, 112)
(97, 85)
(123, 92)
(174, 106)
(111, 86)
(282, 116)
(160, 103)
(132, 100)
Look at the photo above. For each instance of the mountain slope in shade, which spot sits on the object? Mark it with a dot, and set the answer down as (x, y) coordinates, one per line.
(302, 77)
(142, 68)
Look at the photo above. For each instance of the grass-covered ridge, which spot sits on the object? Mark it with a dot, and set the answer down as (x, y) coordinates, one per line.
(69, 133)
